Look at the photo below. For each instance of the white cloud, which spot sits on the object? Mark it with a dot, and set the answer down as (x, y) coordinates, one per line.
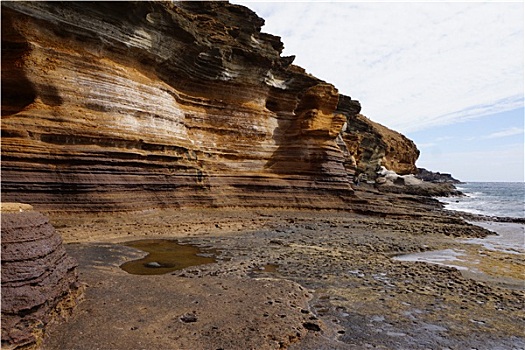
(505, 133)
(412, 65)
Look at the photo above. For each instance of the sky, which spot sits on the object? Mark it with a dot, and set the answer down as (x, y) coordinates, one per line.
(447, 75)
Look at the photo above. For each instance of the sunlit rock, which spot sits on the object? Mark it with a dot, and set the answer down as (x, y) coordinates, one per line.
(112, 106)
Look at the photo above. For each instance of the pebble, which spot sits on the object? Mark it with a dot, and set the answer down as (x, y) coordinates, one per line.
(153, 264)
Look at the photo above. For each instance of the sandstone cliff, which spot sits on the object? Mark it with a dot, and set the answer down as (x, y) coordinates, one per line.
(374, 145)
(133, 105)
(127, 105)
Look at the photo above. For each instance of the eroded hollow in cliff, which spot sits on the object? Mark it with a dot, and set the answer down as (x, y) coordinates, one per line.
(167, 255)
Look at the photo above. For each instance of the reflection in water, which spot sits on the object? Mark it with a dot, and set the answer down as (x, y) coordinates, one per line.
(166, 256)
(446, 257)
(272, 268)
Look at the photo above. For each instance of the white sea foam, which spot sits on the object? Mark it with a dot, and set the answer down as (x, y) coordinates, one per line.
(490, 198)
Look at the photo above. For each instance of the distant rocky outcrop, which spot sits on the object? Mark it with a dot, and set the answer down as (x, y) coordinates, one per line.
(111, 106)
(39, 280)
(436, 177)
(389, 181)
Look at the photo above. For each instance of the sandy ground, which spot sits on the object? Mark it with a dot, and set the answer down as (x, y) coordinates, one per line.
(293, 279)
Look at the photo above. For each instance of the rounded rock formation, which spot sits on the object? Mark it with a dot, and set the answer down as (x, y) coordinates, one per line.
(39, 280)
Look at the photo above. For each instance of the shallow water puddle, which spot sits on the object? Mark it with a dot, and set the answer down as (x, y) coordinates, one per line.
(509, 238)
(498, 252)
(499, 258)
(446, 257)
(166, 256)
(272, 268)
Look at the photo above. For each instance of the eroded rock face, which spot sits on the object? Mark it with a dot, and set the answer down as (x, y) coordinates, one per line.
(131, 105)
(39, 281)
(374, 145)
(127, 105)
(437, 177)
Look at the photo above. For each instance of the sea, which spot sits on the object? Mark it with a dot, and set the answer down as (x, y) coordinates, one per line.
(506, 199)
(501, 199)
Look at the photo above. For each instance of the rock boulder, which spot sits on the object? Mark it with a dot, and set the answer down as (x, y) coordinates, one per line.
(39, 280)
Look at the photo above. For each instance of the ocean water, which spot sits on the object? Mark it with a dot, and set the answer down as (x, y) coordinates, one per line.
(492, 199)
(505, 199)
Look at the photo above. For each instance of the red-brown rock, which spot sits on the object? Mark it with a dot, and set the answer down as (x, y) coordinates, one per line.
(39, 280)
(373, 145)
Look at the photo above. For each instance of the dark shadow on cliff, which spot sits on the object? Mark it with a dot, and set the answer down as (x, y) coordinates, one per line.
(17, 91)
(296, 154)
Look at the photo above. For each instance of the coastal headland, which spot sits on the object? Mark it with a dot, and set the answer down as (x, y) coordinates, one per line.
(182, 124)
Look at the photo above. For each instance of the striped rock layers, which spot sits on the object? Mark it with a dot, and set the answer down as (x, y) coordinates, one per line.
(39, 280)
(131, 105)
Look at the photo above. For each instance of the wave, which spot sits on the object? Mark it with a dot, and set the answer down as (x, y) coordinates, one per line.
(492, 199)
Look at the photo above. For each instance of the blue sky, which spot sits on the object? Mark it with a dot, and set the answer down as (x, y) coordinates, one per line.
(448, 75)
(489, 148)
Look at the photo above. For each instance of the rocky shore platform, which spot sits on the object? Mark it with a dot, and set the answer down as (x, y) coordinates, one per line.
(293, 279)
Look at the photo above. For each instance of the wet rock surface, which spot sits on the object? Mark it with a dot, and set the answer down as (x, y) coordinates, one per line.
(191, 311)
(293, 279)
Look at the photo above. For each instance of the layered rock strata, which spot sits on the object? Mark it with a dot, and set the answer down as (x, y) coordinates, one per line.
(39, 280)
(130, 105)
(373, 145)
(127, 105)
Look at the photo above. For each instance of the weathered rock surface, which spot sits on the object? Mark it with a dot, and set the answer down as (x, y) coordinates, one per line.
(132, 105)
(374, 145)
(39, 280)
(390, 181)
(437, 177)
(352, 294)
